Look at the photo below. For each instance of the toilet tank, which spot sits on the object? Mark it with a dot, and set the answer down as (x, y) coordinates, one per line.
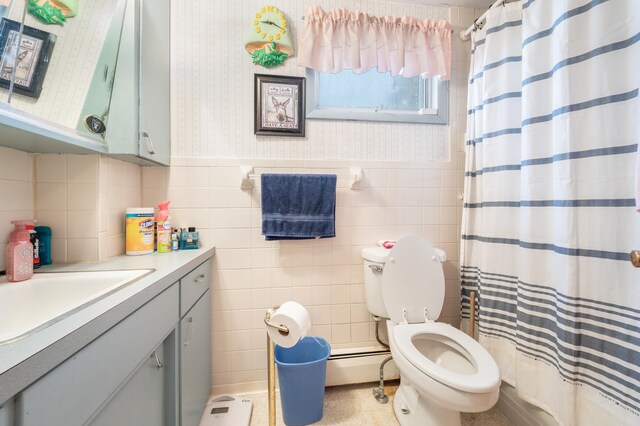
(374, 259)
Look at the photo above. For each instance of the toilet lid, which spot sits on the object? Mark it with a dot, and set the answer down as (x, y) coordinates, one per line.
(413, 280)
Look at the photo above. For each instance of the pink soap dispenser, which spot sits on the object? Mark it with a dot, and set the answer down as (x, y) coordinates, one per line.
(20, 252)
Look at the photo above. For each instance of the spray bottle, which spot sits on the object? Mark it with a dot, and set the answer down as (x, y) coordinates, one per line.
(163, 221)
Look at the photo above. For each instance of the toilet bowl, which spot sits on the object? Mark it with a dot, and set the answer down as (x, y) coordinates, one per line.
(443, 371)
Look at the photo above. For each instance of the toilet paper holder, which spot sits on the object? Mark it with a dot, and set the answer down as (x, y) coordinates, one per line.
(282, 329)
(271, 373)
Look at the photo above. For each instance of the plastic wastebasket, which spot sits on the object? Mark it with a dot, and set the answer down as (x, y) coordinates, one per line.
(302, 371)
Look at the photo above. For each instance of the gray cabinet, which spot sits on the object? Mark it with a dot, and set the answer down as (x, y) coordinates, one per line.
(195, 360)
(155, 42)
(77, 390)
(140, 401)
(195, 343)
(151, 368)
(139, 125)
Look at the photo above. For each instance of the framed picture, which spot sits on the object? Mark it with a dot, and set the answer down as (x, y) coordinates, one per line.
(30, 61)
(279, 105)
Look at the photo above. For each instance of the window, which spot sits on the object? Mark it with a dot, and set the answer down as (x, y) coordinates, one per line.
(376, 96)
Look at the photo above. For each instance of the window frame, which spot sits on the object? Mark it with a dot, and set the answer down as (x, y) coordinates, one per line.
(438, 115)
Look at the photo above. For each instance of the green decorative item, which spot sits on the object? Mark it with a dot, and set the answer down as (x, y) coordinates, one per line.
(269, 56)
(53, 11)
(269, 40)
(46, 12)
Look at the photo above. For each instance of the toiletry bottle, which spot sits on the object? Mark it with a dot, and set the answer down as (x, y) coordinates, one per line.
(190, 239)
(34, 238)
(19, 253)
(44, 232)
(163, 221)
(182, 236)
(175, 241)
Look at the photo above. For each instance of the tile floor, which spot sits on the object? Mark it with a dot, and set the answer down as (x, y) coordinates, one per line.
(354, 405)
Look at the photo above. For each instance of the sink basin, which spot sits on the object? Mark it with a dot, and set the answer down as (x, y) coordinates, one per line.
(46, 298)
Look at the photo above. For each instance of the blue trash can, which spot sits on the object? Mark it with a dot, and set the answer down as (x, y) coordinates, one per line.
(302, 371)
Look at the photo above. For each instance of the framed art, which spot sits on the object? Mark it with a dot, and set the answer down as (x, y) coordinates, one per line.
(279, 105)
(30, 61)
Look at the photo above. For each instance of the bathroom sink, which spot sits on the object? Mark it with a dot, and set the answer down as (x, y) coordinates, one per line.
(46, 298)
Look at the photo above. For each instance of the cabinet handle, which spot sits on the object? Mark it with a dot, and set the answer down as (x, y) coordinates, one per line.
(149, 143)
(158, 363)
(199, 279)
(189, 332)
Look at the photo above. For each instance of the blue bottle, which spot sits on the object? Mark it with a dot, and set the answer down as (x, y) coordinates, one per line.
(44, 232)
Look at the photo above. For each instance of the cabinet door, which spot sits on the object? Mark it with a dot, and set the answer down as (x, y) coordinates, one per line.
(155, 113)
(91, 377)
(195, 360)
(140, 401)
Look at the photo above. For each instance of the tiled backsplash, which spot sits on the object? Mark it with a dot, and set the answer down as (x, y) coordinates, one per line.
(83, 199)
(16, 193)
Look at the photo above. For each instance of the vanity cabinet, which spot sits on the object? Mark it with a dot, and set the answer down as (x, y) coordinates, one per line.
(141, 399)
(151, 368)
(120, 360)
(195, 343)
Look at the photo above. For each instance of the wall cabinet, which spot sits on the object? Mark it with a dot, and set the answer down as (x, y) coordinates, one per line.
(138, 124)
(152, 368)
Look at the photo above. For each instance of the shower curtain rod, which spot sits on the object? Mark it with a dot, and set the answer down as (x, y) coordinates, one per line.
(466, 35)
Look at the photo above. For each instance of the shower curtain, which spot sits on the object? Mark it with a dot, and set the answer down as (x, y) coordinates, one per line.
(549, 211)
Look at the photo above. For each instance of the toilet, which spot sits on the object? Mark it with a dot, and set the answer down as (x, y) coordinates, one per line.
(443, 371)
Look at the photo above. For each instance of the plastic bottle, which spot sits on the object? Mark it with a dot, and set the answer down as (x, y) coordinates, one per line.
(175, 240)
(34, 238)
(19, 252)
(45, 244)
(163, 220)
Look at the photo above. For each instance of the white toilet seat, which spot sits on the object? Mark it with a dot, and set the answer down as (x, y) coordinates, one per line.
(487, 375)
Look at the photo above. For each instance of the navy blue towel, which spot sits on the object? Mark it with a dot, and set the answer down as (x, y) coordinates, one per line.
(298, 207)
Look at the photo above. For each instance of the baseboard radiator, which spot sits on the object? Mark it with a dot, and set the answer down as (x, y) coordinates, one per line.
(359, 366)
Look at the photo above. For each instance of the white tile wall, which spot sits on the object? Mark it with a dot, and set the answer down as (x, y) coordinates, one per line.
(16, 193)
(412, 181)
(83, 199)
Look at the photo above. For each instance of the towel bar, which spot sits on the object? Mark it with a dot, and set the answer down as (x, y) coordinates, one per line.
(248, 177)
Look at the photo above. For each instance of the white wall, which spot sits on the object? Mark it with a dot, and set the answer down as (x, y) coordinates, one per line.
(412, 179)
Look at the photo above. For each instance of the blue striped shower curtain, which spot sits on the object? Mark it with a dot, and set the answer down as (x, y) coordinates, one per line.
(549, 212)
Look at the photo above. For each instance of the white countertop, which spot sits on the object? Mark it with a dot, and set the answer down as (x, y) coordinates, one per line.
(23, 361)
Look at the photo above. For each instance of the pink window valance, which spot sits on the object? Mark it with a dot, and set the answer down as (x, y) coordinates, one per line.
(342, 39)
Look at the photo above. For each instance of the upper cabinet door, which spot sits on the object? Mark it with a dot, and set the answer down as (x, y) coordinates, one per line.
(155, 57)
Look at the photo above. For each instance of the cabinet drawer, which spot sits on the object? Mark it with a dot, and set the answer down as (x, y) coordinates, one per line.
(193, 285)
(72, 392)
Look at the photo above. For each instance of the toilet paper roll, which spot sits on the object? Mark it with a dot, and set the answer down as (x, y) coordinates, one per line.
(293, 316)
